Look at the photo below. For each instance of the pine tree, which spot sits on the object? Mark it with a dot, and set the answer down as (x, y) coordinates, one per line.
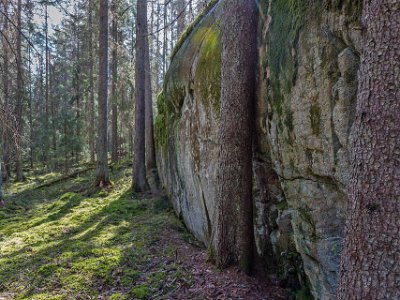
(370, 259)
(234, 236)
(102, 143)
(139, 178)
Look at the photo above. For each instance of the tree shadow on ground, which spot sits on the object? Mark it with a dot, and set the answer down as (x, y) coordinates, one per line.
(106, 248)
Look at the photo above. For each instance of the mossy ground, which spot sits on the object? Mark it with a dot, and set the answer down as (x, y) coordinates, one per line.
(69, 241)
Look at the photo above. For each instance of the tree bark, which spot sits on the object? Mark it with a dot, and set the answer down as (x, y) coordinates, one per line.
(102, 143)
(30, 100)
(370, 265)
(165, 39)
(19, 98)
(151, 166)
(234, 236)
(6, 81)
(78, 92)
(91, 87)
(157, 68)
(181, 11)
(46, 107)
(139, 178)
(1, 186)
(114, 95)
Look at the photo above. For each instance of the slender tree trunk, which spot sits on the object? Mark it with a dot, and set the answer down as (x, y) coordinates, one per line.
(91, 87)
(172, 28)
(46, 124)
(165, 41)
(114, 94)
(157, 65)
(131, 124)
(181, 12)
(78, 95)
(102, 143)
(370, 266)
(6, 81)
(139, 178)
(191, 12)
(52, 110)
(151, 166)
(1, 186)
(234, 236)
(42, 97)
(30, 117)
(30, 99)
(19, 98)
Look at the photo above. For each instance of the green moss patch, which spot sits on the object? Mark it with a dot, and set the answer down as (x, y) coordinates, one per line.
(61, 243)
(192, 26)
(161, 125)
(208, 68)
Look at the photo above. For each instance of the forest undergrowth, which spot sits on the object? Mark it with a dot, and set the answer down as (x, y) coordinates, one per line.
(68, 240)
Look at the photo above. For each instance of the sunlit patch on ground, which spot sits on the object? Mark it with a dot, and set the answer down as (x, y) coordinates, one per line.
(59, 244)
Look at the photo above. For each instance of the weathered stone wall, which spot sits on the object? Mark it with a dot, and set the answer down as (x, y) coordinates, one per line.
(307, 90)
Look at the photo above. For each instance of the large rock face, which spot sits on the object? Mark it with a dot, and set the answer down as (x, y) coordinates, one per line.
(309, 56)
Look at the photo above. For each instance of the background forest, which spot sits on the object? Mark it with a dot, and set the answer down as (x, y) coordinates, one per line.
(49, 77)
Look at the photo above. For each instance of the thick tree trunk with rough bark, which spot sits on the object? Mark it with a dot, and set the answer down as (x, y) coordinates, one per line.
(139, 169)
(370, 266)
(19, 98)
(234, 236)
(114, 94)
(102, 143)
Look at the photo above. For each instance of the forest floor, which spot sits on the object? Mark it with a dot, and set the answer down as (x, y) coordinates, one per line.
(66, 240)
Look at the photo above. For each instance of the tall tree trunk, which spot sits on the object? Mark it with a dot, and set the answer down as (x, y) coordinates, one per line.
(172, 27)
(165, 40)
(139, 178)
(1, 186)
(46, 124)
(52, 110)
(151, 167)
(191, 12)
(6, 81)
(102, 143)
(19, 98)
(114, 95)
(78, 95)
(234, 236)
(30, 99)
(371, 256)
(181, 12)
(91, 87)
(157, 65)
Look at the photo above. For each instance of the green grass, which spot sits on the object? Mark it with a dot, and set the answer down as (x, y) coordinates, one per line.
(70, 241)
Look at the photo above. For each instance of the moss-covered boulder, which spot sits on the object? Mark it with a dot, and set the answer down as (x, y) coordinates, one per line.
(309, 56)
(187, 123)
